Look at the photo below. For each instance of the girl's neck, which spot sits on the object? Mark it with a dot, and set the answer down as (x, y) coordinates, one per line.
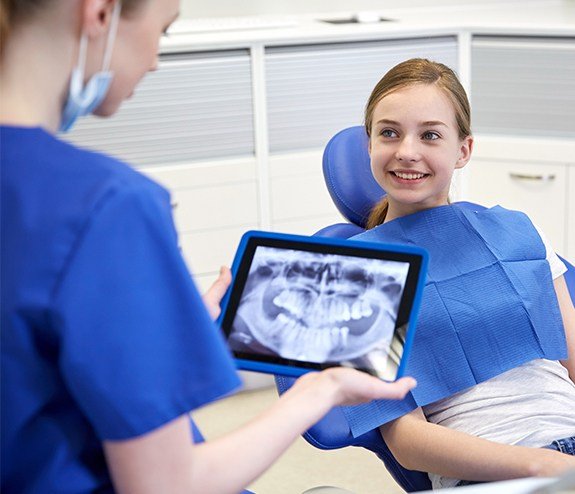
(395, 211)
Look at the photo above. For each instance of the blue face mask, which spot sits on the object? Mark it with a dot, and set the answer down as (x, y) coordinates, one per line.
(83, 100)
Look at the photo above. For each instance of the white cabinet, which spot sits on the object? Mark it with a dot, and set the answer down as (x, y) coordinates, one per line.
(196, 107)
(538, 190)
(531, 175)
(523, 86)
(316, 90)
(571, 215)
(300, 202)
(524, 119)
(214, 204)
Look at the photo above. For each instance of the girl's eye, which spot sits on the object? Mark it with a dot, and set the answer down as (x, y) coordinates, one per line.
(430, 136)
(388, 133)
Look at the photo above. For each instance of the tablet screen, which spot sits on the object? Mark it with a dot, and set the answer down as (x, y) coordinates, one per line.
(317, 305)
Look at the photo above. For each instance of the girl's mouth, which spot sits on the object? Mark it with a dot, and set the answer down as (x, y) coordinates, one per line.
(409, 176)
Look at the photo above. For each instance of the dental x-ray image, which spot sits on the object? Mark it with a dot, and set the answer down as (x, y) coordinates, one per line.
(320, 308)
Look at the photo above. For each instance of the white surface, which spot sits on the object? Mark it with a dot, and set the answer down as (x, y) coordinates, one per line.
(203, 8)
(519, 486)
(222, 24)
(551, 18)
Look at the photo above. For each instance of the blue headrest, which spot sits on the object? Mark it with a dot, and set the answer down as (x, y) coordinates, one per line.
(347, 173)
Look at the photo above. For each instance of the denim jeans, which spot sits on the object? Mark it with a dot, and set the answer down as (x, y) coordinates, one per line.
(565, 445)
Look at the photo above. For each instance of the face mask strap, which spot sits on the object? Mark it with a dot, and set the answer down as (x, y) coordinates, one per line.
(112, 35)
(82, 54)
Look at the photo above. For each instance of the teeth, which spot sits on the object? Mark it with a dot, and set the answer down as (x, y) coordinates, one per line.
(356, 310)
(409, 176)
(366, 309)
(339, 312)
(303, 343)
(346, 313)
(344, 333)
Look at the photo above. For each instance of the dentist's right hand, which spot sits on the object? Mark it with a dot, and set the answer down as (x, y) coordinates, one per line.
(247, 452)
(343, 386)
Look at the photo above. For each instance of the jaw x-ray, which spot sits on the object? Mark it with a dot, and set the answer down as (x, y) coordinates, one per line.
(320, 308)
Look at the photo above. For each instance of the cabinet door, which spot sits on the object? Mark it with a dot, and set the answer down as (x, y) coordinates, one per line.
(300, 202)
(197, 106)
(314, 91)
(537, 190)
(571, 215)
(523, 86)
(214, 204)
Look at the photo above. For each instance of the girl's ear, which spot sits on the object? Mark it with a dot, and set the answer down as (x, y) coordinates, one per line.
(369, 146)
(465, 152)
(96, 16)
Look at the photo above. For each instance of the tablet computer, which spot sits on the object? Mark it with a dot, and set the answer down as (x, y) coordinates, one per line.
(298, 304)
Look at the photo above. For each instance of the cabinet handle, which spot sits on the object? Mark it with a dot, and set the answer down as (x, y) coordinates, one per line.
(527, 176)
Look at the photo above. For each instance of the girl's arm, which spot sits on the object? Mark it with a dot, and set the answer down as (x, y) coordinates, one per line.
(165, 460)
(568, 315)
(421, 445)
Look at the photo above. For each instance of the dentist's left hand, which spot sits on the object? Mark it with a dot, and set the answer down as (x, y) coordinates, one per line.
(213, 297)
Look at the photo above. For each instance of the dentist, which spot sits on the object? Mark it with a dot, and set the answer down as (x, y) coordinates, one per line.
(106, 343)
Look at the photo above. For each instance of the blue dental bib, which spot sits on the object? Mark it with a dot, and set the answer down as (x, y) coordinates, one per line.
(488, 306)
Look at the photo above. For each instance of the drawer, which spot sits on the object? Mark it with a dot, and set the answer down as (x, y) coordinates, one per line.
(210, 208)
(206, 251)
(538, 190)
(207, 173)
(300, 197)
(571, 216)
(308, 226)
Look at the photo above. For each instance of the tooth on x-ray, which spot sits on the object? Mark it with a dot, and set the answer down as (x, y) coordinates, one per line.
(321, 307)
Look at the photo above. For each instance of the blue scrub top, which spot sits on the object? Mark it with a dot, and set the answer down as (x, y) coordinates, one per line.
(104, 335)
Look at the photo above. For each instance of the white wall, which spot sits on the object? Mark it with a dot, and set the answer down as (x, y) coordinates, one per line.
(211, 8)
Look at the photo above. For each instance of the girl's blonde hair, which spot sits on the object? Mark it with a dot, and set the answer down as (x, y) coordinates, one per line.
(409, 73)
(13, 12)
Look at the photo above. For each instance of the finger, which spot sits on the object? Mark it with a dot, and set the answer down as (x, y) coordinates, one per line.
(395, 390)
(404, 385)
(218, 289)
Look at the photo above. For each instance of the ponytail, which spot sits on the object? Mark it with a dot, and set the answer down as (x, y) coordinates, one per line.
(378, 214)
(5, 18)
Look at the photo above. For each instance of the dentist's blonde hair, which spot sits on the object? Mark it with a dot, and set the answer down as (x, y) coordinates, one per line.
(13, 12)
(409, 73)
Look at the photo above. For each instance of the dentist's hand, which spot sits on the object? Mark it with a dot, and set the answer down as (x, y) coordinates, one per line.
(213, 297)
(344, 386)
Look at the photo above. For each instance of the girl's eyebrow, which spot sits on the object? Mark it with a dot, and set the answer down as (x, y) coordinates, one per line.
(433, 123)
(387, 121)
(427, 123)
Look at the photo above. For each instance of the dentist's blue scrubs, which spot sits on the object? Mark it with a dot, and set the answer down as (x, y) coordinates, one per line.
(104, 335)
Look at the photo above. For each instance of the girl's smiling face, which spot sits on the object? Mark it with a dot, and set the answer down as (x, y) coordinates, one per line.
(415, 147)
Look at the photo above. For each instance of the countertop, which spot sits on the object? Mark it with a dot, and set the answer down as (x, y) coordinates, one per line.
(528, 18)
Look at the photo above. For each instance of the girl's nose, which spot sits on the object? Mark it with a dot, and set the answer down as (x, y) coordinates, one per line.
(407, 150)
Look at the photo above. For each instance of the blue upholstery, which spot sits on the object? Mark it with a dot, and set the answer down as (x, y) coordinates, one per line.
(348, 178)
(348, 175)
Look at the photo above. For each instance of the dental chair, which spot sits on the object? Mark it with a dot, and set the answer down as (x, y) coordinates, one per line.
(347, 173)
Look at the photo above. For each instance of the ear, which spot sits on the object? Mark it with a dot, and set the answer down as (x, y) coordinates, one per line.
(96, 16)
(369, 146)
(465, 152)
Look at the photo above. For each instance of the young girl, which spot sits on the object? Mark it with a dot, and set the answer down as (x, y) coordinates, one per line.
(106, 344)
(491, 390)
